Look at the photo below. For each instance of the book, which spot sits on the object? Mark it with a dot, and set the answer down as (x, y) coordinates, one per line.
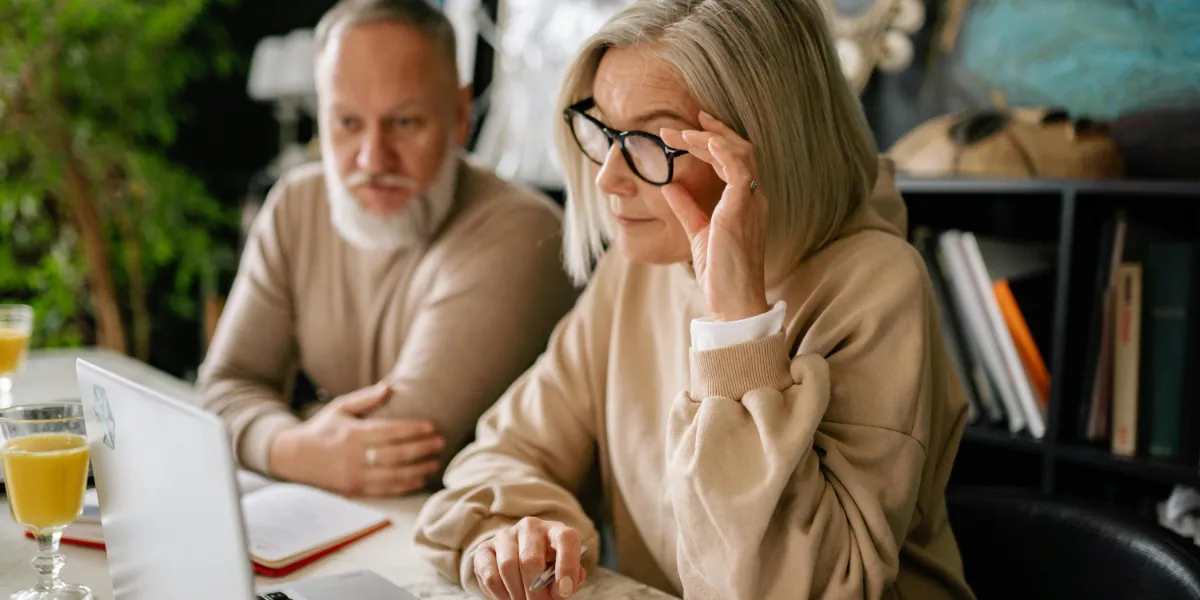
(1017, 260)
(969, 303)
(979, 403)
(1168, 349)
(1031, 357)
(1097, 397)
(1009, 366)
(1127, 330)
(1028, 270)
(287, 525)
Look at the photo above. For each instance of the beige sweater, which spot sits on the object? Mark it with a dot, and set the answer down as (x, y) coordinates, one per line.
(450, 325)
(810, 463)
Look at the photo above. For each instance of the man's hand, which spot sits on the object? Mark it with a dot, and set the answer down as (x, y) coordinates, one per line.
(342, 452)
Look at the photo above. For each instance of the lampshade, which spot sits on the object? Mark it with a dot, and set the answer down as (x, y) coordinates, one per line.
(282, 67)
(263, 83)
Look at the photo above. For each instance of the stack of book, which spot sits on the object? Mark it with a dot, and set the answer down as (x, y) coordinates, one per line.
(1139, 389)
(981, 286)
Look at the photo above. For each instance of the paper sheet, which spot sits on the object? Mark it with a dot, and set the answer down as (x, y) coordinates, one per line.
(285, 520)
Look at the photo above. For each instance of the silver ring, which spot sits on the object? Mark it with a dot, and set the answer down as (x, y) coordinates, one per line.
(372, 455)
(753, 185)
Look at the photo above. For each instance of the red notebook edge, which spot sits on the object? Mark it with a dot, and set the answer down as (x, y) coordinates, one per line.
(286, 570)
(75, 542)
(261, 570)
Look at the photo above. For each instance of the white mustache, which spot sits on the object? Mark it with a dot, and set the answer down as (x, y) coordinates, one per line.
(360, 178)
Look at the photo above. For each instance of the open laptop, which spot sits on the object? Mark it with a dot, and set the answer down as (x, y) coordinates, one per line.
(171, 510)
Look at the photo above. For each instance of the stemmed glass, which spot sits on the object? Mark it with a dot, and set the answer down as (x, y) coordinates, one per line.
(16, 325)
(45, 457)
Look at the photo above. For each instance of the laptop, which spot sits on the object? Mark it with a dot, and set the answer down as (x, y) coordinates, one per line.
(166, 479)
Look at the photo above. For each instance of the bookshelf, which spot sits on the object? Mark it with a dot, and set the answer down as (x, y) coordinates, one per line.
(1067, 216)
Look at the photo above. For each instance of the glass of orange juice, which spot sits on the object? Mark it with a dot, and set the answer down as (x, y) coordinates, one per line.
(16, 325)
(45, 458)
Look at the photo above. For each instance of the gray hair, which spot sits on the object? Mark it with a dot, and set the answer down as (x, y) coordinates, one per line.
(419, 14)
(766, 68)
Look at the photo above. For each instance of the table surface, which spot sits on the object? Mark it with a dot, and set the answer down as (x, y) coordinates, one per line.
(51, 376)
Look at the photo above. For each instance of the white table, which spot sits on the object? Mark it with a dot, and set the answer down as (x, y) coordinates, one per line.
(51, 376)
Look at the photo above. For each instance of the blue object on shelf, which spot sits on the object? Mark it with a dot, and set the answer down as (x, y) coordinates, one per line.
(1099, 58)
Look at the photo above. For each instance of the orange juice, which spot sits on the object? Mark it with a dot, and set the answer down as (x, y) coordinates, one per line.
(12, 349)
(46, 476)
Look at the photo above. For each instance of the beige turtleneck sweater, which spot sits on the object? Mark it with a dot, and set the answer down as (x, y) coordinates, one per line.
(449, 324)
(809, 463)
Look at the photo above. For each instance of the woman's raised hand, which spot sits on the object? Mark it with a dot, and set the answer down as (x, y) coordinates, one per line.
(728, 248)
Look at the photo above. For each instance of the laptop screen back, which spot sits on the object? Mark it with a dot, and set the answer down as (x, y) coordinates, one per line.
(165, 478)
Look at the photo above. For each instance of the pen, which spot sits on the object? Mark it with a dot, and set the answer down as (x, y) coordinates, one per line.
(543, 580)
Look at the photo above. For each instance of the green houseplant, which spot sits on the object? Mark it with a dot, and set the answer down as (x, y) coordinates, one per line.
(93, 218)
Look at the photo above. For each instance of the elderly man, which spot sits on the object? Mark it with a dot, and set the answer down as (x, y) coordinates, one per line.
(407, 285)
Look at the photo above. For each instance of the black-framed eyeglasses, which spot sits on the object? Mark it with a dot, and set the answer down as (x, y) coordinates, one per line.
(650, 158)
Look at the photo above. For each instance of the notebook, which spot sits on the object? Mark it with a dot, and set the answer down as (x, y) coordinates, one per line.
(287, 525)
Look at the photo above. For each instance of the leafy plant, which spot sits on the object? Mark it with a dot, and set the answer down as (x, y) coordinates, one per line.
(93, 217)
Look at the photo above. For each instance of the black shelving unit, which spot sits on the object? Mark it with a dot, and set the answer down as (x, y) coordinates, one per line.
(1067, 215)
(1000, 438)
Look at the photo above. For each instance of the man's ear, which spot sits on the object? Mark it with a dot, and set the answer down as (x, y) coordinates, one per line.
(465, 95)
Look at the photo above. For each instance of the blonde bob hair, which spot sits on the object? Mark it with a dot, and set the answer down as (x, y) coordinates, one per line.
(767, 69)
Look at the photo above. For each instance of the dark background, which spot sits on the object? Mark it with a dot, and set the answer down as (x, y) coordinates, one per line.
(229, 137)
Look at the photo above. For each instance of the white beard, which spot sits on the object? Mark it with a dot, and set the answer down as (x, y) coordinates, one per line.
(414, 224)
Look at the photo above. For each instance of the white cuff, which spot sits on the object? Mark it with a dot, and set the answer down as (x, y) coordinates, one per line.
(710, 335)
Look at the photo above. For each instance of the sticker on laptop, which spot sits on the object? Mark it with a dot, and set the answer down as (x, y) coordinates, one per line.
(104, 415)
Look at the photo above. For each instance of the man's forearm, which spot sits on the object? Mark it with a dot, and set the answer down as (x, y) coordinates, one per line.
(253, 413)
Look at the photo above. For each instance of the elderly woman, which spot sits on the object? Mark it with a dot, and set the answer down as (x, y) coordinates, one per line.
(756, 366)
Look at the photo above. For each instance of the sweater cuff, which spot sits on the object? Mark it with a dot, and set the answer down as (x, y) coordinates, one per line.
(733, 371)
(255, 444)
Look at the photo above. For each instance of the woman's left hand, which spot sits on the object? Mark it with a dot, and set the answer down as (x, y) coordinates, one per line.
(729, 248)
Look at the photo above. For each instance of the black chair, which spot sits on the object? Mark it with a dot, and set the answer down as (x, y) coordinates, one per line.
(1019, 544)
